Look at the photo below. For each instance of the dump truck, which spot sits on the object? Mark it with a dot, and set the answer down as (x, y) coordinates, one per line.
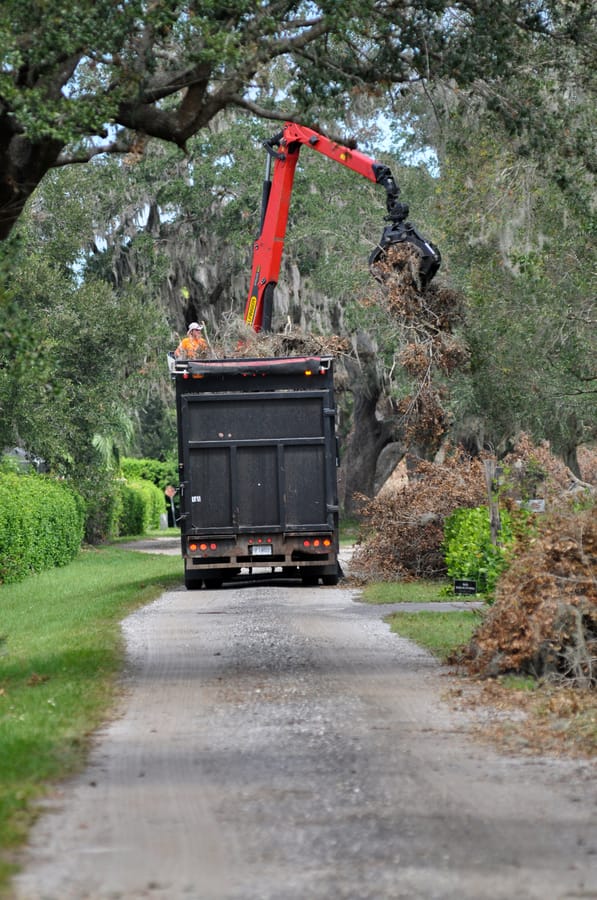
(256, 437)
(257, 458)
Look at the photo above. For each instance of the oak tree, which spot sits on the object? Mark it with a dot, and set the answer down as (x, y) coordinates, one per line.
(99, 76)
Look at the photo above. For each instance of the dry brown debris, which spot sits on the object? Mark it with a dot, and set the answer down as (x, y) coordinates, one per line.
(408, 525)
(244, 343)
(434, 307)
(424, 417)
(427, 317)
(544, 620)
(544, 719)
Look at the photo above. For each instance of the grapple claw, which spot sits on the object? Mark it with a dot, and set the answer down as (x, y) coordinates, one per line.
(426, 254)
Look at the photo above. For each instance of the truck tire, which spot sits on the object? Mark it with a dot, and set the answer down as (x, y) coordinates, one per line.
(192, 582)
(330, 580)
(212, 584)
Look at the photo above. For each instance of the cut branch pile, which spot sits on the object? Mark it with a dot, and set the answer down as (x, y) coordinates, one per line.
(544, 620)
(408, 524)
(243, 343)
(436, 308)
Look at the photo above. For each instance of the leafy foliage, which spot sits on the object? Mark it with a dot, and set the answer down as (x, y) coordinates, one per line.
(41, 525)
(80, 82)
(77, 356)
(103, 501)
(520, 244)
(159, 473)
(142, 505)
(469, 551)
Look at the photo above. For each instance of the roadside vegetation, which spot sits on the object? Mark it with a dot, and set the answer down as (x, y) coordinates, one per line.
(406, 592)
(439, 632)
(517, 713)
(44, 519)
(61, 651)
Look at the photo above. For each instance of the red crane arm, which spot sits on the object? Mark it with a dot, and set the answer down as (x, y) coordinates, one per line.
(269, 245)
(277, 191)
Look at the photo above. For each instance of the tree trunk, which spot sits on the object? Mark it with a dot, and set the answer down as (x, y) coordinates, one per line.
(369, 433)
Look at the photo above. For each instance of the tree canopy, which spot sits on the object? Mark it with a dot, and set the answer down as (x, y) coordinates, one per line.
(95, 76)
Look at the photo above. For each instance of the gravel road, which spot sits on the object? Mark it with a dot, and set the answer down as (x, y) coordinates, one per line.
(279, 743)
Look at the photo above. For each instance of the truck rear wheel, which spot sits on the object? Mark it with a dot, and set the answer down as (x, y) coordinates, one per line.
(212, 584)
(192, 581)
(330, 580)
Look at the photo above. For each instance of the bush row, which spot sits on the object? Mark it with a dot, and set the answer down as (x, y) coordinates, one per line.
(141, 504)
(118, 506)
(159, 473)
(42, 525)
(44, 521)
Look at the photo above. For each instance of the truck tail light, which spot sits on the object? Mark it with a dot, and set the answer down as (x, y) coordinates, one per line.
(317, 542)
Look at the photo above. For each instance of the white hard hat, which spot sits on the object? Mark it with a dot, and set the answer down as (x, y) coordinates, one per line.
(193, 326)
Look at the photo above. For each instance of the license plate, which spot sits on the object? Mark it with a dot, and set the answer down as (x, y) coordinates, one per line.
(261, 550)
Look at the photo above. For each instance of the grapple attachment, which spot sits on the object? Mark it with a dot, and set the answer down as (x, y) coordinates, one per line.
(426, 255)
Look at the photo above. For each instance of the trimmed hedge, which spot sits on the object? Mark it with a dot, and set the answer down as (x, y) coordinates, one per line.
(42, 524)
(159, 473)
(142, 505)
(103, 499)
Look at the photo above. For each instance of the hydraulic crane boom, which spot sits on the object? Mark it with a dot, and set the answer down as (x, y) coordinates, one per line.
(277, 191)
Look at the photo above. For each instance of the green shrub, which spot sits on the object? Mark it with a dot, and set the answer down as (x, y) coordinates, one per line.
(159, 473)
(467, 546)
(142, 503)
(103, 500)
(41, 525)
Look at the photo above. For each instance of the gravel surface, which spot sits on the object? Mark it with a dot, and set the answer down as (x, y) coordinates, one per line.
(279, 743)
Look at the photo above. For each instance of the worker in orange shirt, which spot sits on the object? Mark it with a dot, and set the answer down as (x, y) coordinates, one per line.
(193, 345)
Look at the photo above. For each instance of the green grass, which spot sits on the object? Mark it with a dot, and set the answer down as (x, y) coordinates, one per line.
(439, 632)
(153, 533)
(61, 650)
(519, 682)
(405, 592)
(350, 530)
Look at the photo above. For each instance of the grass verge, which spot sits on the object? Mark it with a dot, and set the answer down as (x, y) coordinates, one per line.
(350, 531)
(406, 592)
(61, 650)
(439, 632)
(519, 713)
(153, 533)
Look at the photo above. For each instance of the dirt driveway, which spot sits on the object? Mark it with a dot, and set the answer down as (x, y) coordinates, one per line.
(278, 743)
